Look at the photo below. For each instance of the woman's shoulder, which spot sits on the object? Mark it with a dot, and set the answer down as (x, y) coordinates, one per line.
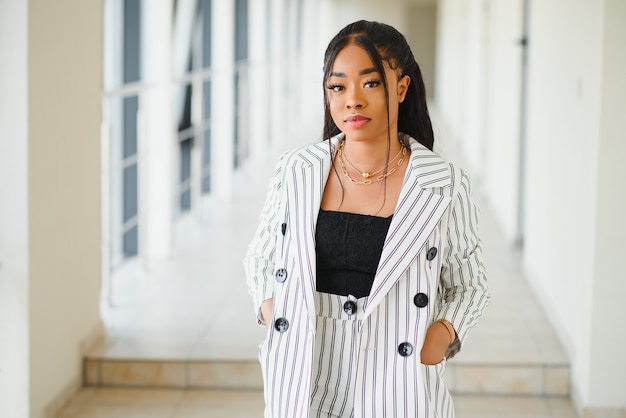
(309, 154)
(433, 168)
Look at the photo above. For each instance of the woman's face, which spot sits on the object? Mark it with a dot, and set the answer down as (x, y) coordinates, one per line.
(356, 96)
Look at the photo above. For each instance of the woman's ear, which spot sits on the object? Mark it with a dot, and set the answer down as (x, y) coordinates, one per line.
(403, 87)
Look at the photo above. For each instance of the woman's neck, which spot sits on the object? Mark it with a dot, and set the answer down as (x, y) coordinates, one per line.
(370, 156)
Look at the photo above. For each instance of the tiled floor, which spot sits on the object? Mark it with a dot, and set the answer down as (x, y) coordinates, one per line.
(180, 323)
(195, 305)
(162, 403)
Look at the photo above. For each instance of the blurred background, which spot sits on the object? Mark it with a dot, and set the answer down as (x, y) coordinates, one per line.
(137, 138)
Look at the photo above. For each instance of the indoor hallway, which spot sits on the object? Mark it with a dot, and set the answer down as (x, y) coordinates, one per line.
(121, 114)
(182, 336)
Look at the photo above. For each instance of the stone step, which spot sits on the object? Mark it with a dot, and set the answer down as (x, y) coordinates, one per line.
(461, 377)
(106, 402)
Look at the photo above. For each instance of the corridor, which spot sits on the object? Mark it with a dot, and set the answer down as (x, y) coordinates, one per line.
(136, 141)
(182, 336)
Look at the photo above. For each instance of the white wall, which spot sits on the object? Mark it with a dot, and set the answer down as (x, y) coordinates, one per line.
(391, 12)
(502, 113)
(451, 60)
(64, 103)
(574, 188)
(606, 358)
(565, 59)
(477, 88)
(13, 212)
(421, 32)
(461, 82)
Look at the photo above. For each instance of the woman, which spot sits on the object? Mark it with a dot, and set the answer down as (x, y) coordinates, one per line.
(366, 263)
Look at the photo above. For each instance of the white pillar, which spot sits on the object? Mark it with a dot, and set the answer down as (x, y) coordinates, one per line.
(278, 75)
(327, 25)
(474, 107)
(311, 57)
(296, 135)
(181, 39)
(157, 129)
(258, 73)
(64, 196)
(222, 97)
(14, 348)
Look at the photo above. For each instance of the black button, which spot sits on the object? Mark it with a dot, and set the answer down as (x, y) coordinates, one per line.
(420, 300)
(281, 325)
(431, 254)
(349, 307)
(283, 228)
(281, 275)
(405, 349)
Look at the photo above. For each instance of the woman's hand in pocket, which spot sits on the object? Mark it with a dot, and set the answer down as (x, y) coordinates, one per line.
(266, 311)
(435, 344)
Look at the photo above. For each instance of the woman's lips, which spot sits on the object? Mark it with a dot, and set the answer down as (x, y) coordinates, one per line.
(357, 121)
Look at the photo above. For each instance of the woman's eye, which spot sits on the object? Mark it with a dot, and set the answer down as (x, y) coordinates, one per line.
(372, 83)
(335, 87)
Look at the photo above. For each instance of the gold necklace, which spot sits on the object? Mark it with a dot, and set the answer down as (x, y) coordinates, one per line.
(366, 174)
(369, 180)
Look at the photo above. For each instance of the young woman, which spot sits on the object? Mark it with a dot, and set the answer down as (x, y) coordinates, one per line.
(366, 264)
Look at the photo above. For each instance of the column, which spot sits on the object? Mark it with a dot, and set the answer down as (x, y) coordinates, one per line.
(64, 195)
(14, 348)
(157, 131)
(258, 73)
(278, 75)
(222, 97)
(311, 61)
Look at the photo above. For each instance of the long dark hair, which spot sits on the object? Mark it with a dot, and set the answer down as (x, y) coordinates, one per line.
(384, 43)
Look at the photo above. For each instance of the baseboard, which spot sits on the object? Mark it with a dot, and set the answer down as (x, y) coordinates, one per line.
(93, 339)
(604, 413)
(594, 412)
(63, 398)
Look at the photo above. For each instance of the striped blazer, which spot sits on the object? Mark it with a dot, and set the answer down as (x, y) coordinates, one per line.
(430, 268)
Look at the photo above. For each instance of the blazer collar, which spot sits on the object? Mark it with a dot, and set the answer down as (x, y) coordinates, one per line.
(421, 204)
(425, 167)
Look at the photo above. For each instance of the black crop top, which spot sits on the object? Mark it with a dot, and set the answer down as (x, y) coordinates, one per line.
(348, 248)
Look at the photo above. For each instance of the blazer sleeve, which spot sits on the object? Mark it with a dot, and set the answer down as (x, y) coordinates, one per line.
(463, 275)
(260, 255)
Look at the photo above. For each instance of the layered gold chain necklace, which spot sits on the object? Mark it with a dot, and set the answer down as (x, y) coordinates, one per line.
(369, 177)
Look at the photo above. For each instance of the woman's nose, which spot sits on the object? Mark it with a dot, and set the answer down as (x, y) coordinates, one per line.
(354, 101)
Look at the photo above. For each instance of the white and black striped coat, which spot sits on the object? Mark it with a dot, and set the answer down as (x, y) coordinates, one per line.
(432, 250)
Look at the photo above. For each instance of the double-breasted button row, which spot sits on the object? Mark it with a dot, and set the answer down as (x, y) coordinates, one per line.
(420, 300)
(281, 275)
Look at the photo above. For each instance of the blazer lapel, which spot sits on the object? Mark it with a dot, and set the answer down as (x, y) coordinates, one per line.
(417, 213)
(308, 180)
